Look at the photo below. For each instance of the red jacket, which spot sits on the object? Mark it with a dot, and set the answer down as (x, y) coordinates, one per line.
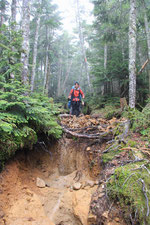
(75, 94)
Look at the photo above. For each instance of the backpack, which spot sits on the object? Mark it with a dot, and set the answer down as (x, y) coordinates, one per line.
(72, 96)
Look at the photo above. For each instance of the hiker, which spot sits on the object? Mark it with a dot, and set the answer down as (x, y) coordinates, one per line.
(75, 99)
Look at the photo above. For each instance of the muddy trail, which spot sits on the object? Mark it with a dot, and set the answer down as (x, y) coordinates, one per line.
(66, 185)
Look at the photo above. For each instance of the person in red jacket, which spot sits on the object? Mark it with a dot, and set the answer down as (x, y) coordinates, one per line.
(75, 95)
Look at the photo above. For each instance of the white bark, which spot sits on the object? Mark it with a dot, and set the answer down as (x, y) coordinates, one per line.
(132, 54)
(25, 44)
(35, 53)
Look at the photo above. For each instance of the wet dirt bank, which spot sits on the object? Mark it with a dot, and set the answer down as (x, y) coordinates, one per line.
(67, 168)
(65, 185)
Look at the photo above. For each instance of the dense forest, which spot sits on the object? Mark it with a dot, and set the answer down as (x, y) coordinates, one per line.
(107, 50)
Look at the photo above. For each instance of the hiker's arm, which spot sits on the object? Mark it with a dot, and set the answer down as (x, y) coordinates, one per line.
(70, 94)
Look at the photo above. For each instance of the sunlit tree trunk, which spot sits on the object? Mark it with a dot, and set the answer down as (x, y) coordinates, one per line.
(82, 44)
(132, 54)
(147, 29)
(35, 53)
(25, 44)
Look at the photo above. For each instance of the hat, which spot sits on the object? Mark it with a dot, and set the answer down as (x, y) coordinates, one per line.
(76, 83)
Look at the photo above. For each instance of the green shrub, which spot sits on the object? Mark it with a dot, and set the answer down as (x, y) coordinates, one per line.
(22, 117)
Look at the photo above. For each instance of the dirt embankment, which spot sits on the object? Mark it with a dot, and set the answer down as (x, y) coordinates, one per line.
(73, 183)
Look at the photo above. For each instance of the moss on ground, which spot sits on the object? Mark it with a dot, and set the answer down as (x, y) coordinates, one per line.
(109, 156)
(126, 187)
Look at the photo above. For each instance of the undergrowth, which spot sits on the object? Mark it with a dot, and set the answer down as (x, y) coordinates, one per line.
(22, 115)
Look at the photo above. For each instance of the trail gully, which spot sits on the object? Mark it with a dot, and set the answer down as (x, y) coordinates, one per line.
(66, 187)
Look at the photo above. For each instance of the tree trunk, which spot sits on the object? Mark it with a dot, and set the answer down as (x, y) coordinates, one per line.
(59, 78)
(81, 38)
(25, 44)
(47, 78)
(35, 53)
(105, 56)
(46, 59)
(45, 69)
(147, 29)
(67, 76)
(13, 11)
(132, 54)
(2, 12)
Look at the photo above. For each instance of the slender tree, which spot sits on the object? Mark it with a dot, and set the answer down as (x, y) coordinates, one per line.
(147, 29)
(25, 44)
(35, 52)
(13, 10)
(132, 54)
(82, 44)
(3, 6)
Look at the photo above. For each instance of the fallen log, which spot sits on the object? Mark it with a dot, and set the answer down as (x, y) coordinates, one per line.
(103, 135)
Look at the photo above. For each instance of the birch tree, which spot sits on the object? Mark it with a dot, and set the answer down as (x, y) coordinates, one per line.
(25, 44)
(132, 54)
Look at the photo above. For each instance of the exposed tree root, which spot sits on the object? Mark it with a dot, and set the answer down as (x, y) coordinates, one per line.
(120, 138)
(144, 192)
(104, 135)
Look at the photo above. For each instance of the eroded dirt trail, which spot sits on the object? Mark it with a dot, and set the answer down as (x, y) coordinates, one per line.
(71, 176)
(58, 203)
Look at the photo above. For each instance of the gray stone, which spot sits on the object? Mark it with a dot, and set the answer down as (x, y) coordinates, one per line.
(40, 183)
(77, 186)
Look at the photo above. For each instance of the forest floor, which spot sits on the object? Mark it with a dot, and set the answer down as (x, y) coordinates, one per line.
(73, 176)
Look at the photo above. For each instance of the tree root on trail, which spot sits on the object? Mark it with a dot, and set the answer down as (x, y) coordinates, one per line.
(142, 167)
(104, 135)
(144, 192)
(132, 161)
